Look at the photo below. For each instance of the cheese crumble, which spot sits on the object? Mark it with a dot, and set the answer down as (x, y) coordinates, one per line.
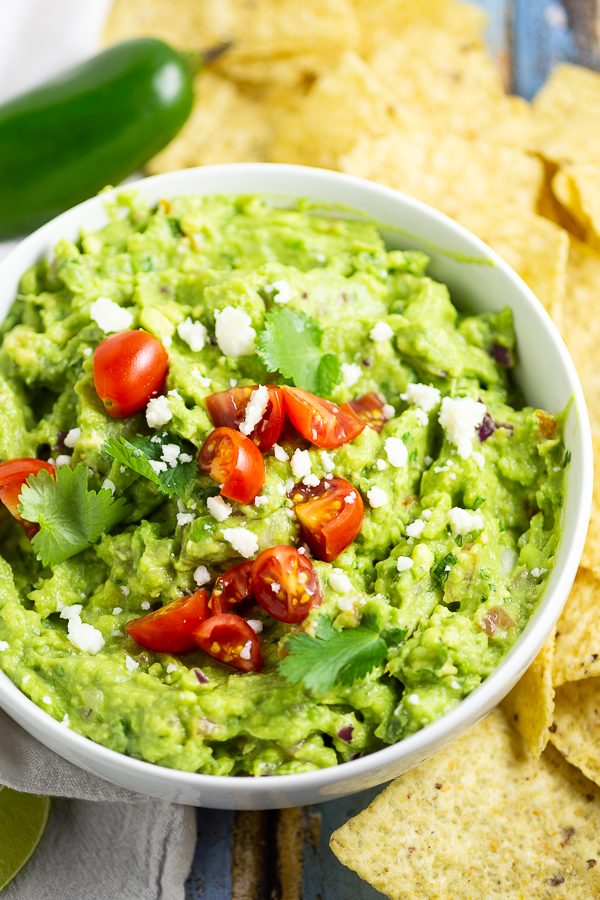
(422, 395)
(381, 331)
(460, 418)
(234, 332)
(158, 412)
(397, 453)
(463, 522)
(109, 316)
(218, 509)
(243, 541)
(377, 497)
(255, 409)
(193, 333)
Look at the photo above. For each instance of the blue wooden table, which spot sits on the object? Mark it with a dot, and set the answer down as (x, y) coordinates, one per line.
(285, 855)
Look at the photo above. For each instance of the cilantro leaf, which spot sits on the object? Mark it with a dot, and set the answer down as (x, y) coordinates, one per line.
(71, 517)
(290, 343)
(333, 657)
(442, 569)
(137, 454)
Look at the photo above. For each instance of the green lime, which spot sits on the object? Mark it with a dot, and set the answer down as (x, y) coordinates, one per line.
(23, 819)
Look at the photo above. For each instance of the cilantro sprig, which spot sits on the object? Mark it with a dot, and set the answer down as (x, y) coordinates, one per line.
(70, 515)
(137, 453)
(290, 343)
(336, 657)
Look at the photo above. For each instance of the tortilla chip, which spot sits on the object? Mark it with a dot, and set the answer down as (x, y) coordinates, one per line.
(582, 333)
(577, 648)
(530, 704)
(512, 125)
(536, 248)
(447, 171)
(194, 25)
(453, 84)
(577, 187)
(225, 126)
(480, 821)
(567, 114)
(576, 729)
(257, 31)
(346, 102)
(378, 21)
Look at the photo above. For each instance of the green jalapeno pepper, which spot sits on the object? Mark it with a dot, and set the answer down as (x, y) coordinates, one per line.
(91, 126)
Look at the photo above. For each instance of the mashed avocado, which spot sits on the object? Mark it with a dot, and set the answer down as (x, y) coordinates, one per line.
(462, 488)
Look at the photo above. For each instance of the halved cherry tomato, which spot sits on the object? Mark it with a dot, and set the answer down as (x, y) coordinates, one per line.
(319, 421)
(330, 515)
(229, 409)
(129, 369)
(234, 462)
(230, 639)
(13, 474)
(169, 629)
(230, 588)
(285, 584)
(368, 408)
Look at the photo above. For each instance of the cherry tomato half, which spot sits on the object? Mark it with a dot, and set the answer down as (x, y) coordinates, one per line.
(13, 474)
(229, 409)
(330, 516)
(230, 639)
(169, 629)
(368, 408)
(129, 369)
(230, 588)
(285, 584)
(319, 421)
(234, 462)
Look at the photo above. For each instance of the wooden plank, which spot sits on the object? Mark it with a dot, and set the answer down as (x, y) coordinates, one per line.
(210, 876)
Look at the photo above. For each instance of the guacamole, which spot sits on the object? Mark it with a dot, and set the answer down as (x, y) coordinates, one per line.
(462, 486)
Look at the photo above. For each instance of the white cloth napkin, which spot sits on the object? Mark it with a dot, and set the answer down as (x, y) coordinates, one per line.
(102, 842)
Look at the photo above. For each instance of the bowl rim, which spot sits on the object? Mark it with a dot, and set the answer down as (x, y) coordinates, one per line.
(473, 707)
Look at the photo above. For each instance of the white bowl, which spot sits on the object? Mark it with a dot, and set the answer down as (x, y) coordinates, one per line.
(545, 372)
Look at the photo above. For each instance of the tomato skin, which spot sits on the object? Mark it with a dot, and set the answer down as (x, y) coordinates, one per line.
(228, 409)
(296, 577)
(129, 369)
(232, 587)
(319, 421)
(234, 462)
(169, 629)
(368, 408)
(328, 521)
(13, 474)
(224, 637)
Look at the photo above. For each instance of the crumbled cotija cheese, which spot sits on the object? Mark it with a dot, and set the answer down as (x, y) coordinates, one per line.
(377, 497)
(404, 563)
(462, 521)
(158, 412)
(234, 332)
(193, 333)
(282, 293)
(218, 509)
(351, 373)
(460, 418)
(201, 576)
(381, 331)
(301, 464)
(243, 541)
(255, 409)
(83, 637)
(397, 453)
(422, 395)
(110, 316)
